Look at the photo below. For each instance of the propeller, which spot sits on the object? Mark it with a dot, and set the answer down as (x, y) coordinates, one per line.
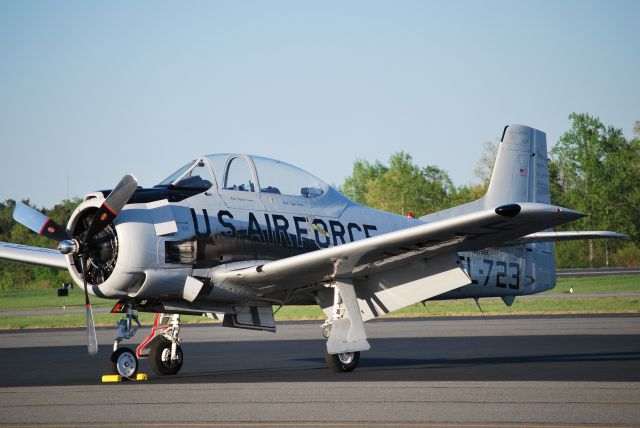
(111, 206)
(45, 226)
(92, 340)
(39, 223)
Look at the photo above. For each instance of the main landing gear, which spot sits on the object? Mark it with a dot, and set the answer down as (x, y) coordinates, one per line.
(342, 362)
(344, 331)
(162, 346)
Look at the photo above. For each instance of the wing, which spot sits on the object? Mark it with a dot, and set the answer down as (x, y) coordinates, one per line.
(32, 255)
(466, 232)
(569, 236)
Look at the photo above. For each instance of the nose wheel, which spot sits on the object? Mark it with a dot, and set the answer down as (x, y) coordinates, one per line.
(124, 362)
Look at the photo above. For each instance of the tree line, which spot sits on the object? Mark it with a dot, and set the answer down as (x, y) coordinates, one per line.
(19, 275)
(592, 169)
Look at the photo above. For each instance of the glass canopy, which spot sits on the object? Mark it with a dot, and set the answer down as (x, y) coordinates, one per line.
(246, 174)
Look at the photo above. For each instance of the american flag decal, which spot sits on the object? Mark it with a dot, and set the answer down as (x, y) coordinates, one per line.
(524, 172)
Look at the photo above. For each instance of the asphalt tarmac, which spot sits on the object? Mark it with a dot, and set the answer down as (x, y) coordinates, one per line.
(507, 371)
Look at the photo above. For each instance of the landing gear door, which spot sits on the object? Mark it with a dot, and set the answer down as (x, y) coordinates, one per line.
(251, 318)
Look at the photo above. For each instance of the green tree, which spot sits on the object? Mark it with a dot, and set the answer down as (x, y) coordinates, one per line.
(400, 187)
(355, 186)
(482, 171)
(484, 166)
(594, 169)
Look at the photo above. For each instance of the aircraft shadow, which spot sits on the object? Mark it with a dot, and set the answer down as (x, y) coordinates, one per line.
(517, 358)
(492, 358)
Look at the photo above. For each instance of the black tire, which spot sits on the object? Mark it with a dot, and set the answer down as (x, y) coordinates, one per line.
(124, 363)
(341, 363)
(159, 358)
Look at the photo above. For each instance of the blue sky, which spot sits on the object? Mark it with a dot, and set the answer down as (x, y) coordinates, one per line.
(92, 90)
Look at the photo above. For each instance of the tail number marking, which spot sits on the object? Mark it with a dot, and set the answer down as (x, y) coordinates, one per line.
(504, 272)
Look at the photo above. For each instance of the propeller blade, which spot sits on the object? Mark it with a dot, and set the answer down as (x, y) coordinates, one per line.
(112, 206)
(92, 340)
(39, 223)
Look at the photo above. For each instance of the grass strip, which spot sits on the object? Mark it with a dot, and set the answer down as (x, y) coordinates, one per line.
(593, 305)
(602, 284)
(46, 299)
(78, 320)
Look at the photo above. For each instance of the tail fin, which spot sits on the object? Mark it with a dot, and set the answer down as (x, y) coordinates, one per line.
(521, 171)
(521, 174)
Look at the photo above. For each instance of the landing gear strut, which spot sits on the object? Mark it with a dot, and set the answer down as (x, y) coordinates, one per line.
(345, 330)
(343, 361)
(165, 356)
(162, 346)
(124, 361)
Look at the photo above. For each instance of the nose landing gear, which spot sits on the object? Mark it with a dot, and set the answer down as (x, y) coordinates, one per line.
(124, 361)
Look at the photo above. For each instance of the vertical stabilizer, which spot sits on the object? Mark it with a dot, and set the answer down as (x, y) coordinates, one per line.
(521, 171)
(521, 174)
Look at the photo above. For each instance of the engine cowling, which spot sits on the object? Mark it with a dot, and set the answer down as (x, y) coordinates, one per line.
(114, 269)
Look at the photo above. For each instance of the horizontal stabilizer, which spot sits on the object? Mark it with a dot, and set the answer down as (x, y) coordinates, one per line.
(569, 236)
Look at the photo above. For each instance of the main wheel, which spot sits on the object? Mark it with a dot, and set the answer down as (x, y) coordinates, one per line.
(160, 358)
(344, 362)
(124, 362)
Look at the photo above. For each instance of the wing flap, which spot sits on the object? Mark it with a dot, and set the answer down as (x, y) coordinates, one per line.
(32, 255)
(392, 289)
